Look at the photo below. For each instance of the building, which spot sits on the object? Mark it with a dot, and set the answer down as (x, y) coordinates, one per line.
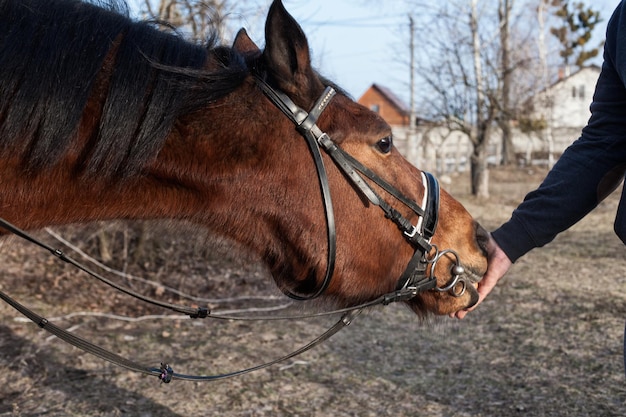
(565, 104)
(431, 147)
(563, 109)
(383, 101)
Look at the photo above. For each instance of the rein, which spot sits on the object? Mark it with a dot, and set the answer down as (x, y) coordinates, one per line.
(417, 277)
(165, 372)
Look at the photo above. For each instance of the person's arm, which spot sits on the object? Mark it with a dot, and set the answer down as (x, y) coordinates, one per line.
(581, 178)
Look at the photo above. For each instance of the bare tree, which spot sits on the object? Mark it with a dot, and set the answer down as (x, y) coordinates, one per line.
(198, 16)
(484, 112)
(507, 70)
(201, 18)
(460, 71)
(571, 25)
(544, 124)
(478, 72)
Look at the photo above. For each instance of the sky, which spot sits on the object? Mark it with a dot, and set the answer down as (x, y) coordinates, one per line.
(356, 43)
(353, 44)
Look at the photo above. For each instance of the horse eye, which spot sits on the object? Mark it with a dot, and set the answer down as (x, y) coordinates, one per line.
(385, 144)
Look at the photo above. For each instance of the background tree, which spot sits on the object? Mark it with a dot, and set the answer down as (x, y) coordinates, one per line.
(507, 112)
(576, 23)
(202, 18)
(571, 26)
(488, 60)
(476, 72)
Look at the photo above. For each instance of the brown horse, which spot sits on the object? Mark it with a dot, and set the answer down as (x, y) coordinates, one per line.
(105, 118)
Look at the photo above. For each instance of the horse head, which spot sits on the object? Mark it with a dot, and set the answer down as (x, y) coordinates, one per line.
(285, 217)
(162, 128)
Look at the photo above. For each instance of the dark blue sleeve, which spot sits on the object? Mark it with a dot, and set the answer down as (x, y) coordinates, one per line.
(575, 184)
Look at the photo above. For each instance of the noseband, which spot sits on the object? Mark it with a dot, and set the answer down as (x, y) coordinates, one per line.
(419, 274)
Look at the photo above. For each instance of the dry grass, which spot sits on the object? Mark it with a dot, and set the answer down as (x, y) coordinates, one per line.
(548, 342)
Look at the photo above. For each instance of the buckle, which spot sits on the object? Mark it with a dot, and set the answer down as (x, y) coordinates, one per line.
(399, 295)
(412, 233)
(425, 285)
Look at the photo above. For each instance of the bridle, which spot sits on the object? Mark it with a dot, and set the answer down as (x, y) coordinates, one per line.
(417, 277)
(419, 274)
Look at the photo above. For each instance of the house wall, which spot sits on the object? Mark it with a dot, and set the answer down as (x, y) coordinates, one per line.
(439, 150)
(565, 106)
(375, 101)
(566, 103)
(442, 151)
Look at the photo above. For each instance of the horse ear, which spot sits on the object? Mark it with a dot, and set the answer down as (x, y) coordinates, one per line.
(286, 55)
(243, 44)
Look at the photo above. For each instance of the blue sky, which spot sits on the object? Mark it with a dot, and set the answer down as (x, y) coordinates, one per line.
(356, 42)
(354, 45)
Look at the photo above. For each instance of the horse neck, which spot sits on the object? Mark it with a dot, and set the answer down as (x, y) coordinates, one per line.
(245, 184)
(63, 194)
(217, 168)
(58, 197)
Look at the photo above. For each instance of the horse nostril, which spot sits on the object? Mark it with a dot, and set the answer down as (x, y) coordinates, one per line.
(473, 298)
(482, 238)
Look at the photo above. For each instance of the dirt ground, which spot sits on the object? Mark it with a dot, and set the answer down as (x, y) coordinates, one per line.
(548, 342)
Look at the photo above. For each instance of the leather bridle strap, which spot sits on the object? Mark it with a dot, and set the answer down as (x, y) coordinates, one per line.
(416, 274)
(418, 235)
(165, 373)
(194, 313)
(348, 164)
(305, 122)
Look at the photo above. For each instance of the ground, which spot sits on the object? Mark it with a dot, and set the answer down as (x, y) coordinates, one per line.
(547, 342)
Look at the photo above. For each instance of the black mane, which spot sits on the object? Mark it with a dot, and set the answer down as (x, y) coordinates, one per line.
(51, 52)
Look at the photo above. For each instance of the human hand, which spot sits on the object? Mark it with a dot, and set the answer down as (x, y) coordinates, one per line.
(498, 265)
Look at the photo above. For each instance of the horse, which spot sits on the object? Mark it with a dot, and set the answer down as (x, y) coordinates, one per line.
(103, 117)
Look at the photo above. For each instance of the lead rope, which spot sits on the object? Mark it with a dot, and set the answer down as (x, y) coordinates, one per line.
(165, 372)
(194, 313)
